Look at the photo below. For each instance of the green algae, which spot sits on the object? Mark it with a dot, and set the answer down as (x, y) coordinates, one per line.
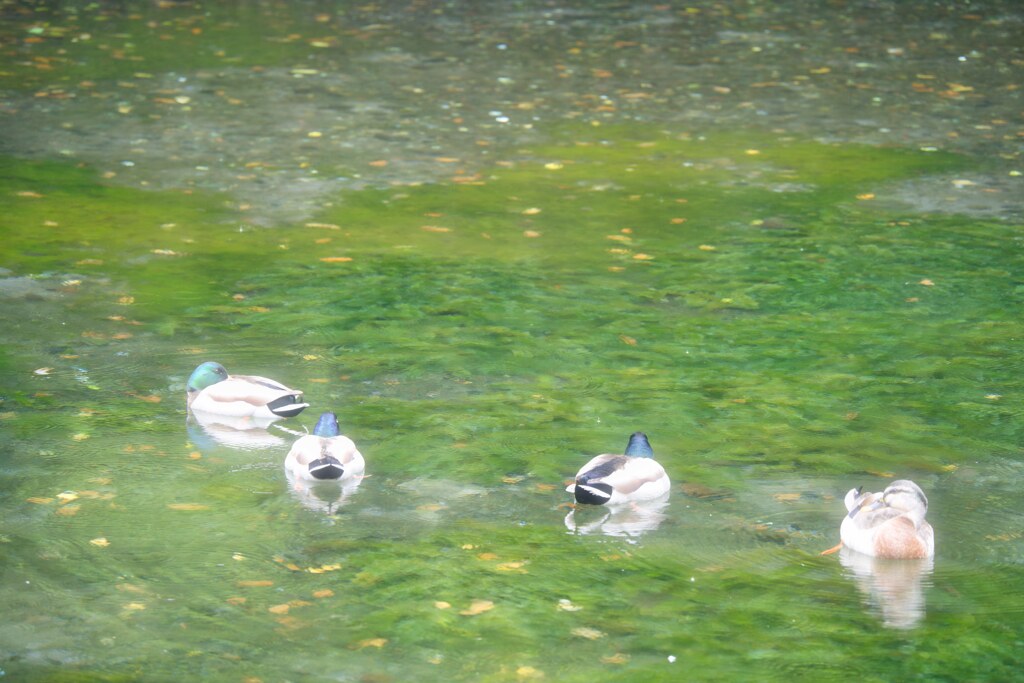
(800, 349)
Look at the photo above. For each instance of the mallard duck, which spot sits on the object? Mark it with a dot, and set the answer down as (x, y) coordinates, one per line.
(212, 390)
(325, 455)
(616, 479)
(889, 524)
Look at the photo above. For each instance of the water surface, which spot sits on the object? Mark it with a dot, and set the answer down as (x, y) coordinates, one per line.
(496, 242)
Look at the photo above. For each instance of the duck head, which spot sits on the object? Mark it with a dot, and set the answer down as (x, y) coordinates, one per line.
(327, 426)
(639, 446)
(206, 375)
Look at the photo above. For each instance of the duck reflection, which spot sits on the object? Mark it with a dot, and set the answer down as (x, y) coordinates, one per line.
(629, 519)
(208, 430)
(322, 496)
(894, 588)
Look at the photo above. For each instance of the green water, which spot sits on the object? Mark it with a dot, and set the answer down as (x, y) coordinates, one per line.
(752, 298)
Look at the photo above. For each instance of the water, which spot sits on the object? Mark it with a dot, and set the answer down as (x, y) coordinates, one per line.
(521, 234)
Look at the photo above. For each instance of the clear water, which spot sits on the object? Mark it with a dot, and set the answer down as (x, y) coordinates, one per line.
(744, 230)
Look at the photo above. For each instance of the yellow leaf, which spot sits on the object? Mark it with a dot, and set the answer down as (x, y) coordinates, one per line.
(188, 506)
(926, 282)
(67, 497)
(588, 633)
(707, 247)
(532, 211)
(435, 228)
(38, 500)
(237, 600)
(786, 497)
(323, 226)
(866, 196)
(336, 259)
(135, 606)
(487, 557)
(371, 642)
(324, 593)
(627, 340)
(100, 542)
(68, 510)
(529, 672)
(441, 604)
(617, 658)
(531, 233)
(642, 257)
(512, 567)
(279, 609)
(477, 607)
(254, 583)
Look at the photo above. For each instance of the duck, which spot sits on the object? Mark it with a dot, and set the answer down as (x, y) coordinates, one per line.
(889, 524)
(325, 455)
(212, 390)
(611, 479)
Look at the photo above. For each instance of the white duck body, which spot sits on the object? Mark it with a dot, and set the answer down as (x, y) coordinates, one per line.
(212, 390)
(611, 479)
(889, 524)
(325, 455)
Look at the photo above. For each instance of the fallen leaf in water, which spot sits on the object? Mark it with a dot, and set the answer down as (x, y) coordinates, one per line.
(250, 583)
(884, 475)
(529, 672)
(617, 658)
(516, 567)
(151, 398)
(531, 233)
(379, 163)
(66, 497)
(926, 282)
(188, 506)
(371, 642)
(588, 633)
(435, 228)
(100, 542)
(441, 604)
(707, 247)
(786, 497)
(336, 259)
(627, 340)
(279, 609)
(135, 606)
(81, 436)
(477, 607)
(487, 557)
(43, 371)
(324, 226)
(677, 221)
(532, 211)
(68, 510)
(237, 600)
(30, 194)
(643, 257)
(567, 605)
(39, 500)
(323, 593)
(866, 196)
